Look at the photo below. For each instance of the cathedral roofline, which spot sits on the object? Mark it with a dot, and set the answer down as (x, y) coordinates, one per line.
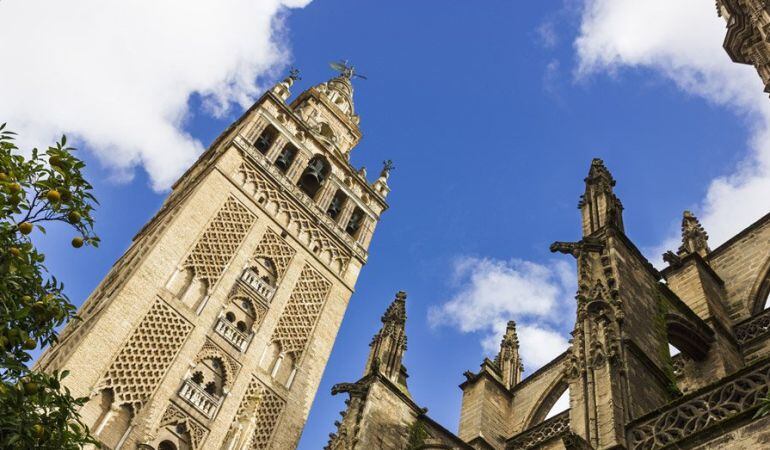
(740, 235)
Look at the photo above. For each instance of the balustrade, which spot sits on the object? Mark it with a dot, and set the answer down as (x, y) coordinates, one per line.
(195, 395)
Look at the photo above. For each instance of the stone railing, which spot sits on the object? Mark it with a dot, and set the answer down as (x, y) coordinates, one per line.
(232, 334)
(258, 285)
(735, 396)
(330, 225)
(195, 395)
(542, 432)
(753, 327)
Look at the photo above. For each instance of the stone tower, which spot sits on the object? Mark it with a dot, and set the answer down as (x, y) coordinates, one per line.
(213, 329)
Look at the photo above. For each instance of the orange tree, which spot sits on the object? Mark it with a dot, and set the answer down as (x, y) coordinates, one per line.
(37, 188)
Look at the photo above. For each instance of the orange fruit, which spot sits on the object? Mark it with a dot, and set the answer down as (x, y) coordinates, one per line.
(25, 227)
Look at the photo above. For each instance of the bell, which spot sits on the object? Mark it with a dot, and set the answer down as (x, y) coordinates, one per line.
(284, 159)
(334, 207)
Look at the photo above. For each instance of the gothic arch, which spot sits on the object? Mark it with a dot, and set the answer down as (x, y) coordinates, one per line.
(760, 290)
(692, 340)
(546, 402)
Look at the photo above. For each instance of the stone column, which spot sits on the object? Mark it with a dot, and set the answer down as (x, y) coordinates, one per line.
(347, 211)
(295, 171)
(253, 130)
(326, 193)
(276, 148)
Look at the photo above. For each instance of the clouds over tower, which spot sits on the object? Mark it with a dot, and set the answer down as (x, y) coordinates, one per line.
(119, 76)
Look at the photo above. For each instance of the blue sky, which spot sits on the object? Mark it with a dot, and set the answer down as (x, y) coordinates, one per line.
(491, 110)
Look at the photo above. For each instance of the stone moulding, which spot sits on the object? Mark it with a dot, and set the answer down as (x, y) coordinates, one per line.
(733, 397)
(753, 327)
(552, 428)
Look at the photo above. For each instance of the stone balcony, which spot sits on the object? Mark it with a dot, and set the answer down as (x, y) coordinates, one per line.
(233, 335)
(195, 395)
(258, 285)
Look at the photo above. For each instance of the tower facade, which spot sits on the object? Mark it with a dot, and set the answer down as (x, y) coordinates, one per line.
(213, 329)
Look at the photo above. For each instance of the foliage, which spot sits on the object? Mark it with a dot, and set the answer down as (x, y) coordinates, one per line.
(764, 407)
(36, 411)
(417, 436)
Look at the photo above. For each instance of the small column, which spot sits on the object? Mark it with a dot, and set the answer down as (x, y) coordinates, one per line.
(347, 211)
(295, 171)
(255, 129)
(275, 149)
(365, 235)
(328, 190)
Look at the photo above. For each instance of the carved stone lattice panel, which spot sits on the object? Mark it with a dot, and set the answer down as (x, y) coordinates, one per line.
(301, 312)
(274, 248)
(542, 432)
(176, 417)
(216, 247)
(703, 410)
(265, 406)
(754, 327)
(304, 222)
(230, 365)
(146, 356)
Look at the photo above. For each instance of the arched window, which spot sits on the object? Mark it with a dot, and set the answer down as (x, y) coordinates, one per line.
(335, 207)
(284, 160)
(561, 405)
(555, 401)
(354, 224)
(167, 445)
(266, 139)
(313, 177)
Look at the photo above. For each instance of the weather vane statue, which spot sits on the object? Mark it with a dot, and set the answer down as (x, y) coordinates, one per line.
(387, 167)
(346, 69)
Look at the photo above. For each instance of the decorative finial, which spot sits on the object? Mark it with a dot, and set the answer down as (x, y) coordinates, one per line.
(401, 295)
(694, 237)
(294, 74)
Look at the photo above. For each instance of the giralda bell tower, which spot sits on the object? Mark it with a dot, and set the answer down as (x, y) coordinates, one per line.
(213, 329)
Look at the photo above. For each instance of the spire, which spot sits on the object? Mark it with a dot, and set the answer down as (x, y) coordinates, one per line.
(599, 205)
(283, 89)
(694, 237)
(508, 360)
(389, 344)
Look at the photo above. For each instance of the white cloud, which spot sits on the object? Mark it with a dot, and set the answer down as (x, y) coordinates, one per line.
(682, 40)
(490, 292)
(118, 75)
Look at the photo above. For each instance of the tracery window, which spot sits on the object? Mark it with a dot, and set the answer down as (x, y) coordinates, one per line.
(314, 175)
(266, 139)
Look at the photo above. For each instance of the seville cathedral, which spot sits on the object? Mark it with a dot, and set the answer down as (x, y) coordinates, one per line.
(212, 331)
